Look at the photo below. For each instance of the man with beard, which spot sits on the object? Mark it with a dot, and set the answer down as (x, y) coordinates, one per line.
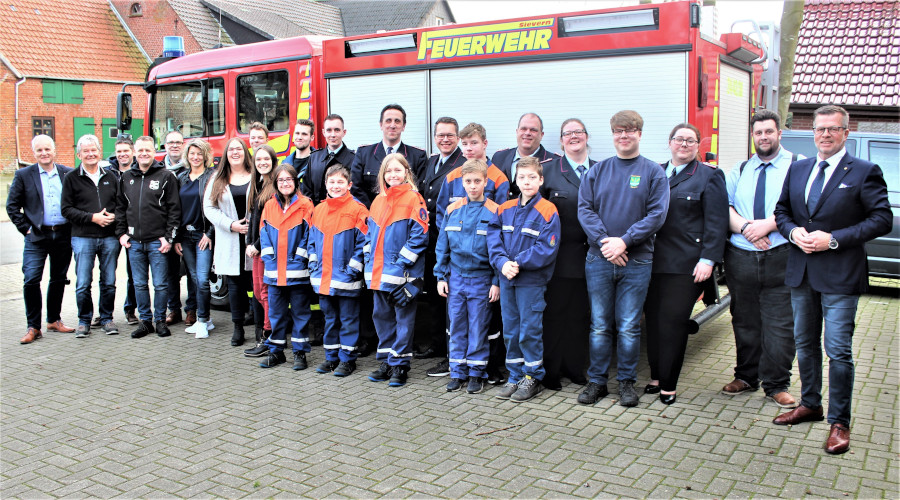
(755, 262)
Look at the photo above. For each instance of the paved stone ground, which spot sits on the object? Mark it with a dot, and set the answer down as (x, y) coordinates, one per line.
(117, 417)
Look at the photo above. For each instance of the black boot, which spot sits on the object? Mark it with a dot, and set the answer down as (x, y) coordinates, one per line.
(237, 338)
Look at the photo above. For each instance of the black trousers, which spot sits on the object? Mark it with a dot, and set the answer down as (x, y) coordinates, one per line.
(437, 334)
(567, 324)
(670, 300)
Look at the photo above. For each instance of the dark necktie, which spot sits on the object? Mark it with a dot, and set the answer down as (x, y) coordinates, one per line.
(580, 169)
(329, 157)
(438, 166)
(759, 201)
(815, 191)
(390, 149)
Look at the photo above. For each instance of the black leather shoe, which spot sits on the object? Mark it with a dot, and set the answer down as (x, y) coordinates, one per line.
(365, 347)
(496, 378)
(552, 383)
(667, 399)
(144, 328)
(237, 338)
(651, 389)
(162, 330)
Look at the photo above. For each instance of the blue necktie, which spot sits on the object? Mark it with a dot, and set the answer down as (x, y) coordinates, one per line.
(815, 191)
(390, 150)
(759, 201)
(580, 169)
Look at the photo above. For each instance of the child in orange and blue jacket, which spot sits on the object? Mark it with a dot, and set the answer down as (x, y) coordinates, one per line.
(283, 233)
(335, 247)
(396, 238)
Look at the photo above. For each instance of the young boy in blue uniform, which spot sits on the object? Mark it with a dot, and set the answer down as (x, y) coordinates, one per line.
(465, 276)
(523, 240)
(336, 238)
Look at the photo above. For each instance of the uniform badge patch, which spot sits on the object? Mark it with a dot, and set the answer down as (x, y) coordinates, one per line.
(552, 240)
(635, 181)
(423, 214)
(154, 185)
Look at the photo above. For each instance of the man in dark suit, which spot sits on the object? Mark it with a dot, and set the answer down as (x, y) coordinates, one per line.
(529, 133)
(446, 137)
(34, 206)
(313, 182)
(830, 206)
(364, 171)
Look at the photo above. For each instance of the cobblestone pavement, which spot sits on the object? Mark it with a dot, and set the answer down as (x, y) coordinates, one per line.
(117, 417)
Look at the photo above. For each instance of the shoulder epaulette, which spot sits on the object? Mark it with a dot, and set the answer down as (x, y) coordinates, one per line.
(545, 208)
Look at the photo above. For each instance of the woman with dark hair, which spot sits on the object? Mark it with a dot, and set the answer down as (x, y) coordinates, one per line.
(226, 205)
(689, 244)
(195, 235)
(567, 318)
(283, 235)
(265, 159)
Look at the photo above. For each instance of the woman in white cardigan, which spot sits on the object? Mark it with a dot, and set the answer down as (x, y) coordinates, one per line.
(225, 205)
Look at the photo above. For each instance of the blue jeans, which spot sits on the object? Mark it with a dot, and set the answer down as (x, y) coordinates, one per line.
(174, 278)
(470, 316)
(198, 263)
(523, 317)
(289, 312)
(146, 258)
(839, 313)
(341, 326)
(57, 247)
(106, 251)
(130, 300)
(617, 296)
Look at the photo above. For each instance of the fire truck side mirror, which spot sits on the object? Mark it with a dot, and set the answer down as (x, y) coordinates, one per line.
(710, 156)
(123, 111)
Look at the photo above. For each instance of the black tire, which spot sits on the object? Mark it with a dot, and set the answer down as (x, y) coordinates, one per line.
(218, 292)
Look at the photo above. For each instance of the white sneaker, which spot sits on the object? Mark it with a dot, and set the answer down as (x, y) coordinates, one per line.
(192, 328)
(201, 332)
(210, 325)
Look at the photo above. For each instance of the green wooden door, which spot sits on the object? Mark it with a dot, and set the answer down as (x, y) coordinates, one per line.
(108, 137)
(80, 127)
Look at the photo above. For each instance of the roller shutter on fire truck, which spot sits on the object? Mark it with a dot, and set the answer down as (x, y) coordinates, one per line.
(734, 116)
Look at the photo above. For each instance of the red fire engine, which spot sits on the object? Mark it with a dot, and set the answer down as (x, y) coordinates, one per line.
(651, 58)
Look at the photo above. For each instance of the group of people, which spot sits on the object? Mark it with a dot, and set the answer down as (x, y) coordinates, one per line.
(532, 263)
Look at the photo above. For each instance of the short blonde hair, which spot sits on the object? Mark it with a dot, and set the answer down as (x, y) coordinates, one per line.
(475, 166)
(205, 150)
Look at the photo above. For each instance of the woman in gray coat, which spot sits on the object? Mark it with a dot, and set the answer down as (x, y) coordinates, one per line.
(225, 204)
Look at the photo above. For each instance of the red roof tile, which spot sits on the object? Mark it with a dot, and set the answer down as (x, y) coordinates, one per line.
(847, 53)
(75, 39)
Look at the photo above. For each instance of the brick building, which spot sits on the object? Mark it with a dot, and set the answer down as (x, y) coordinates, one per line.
(848, 53)
(59, 75)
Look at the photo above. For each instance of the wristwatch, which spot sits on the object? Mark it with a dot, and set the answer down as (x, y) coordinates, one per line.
(744, 227)
(833, 244)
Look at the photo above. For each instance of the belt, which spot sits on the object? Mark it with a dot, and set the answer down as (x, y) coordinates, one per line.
(780, 248)
(55, 228)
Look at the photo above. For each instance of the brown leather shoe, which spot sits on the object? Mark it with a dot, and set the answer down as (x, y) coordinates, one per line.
(737, 386)
(190, 318)
(799, 415)
(32, 335)
(784, 399)
(58, 326)
(173, 317)
(838, 440)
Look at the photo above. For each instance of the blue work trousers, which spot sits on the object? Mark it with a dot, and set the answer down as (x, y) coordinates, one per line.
(470, 316)
(341, 326)
(523, 317)
(289, 312)
(395, 326)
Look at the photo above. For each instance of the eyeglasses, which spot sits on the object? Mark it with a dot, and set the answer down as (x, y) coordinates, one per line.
(683, 140)
(444, 136)
(175, 143)
(287, 180)
(625, 131)
(570, 133)
(834, 130)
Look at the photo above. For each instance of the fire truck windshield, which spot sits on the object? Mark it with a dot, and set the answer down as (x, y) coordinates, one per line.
(181, 107)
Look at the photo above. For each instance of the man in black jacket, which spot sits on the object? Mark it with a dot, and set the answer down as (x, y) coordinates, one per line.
(34, 207)
(120, 163)
(529, 133)
(148, 213)
(313, 181)
(89, 204)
